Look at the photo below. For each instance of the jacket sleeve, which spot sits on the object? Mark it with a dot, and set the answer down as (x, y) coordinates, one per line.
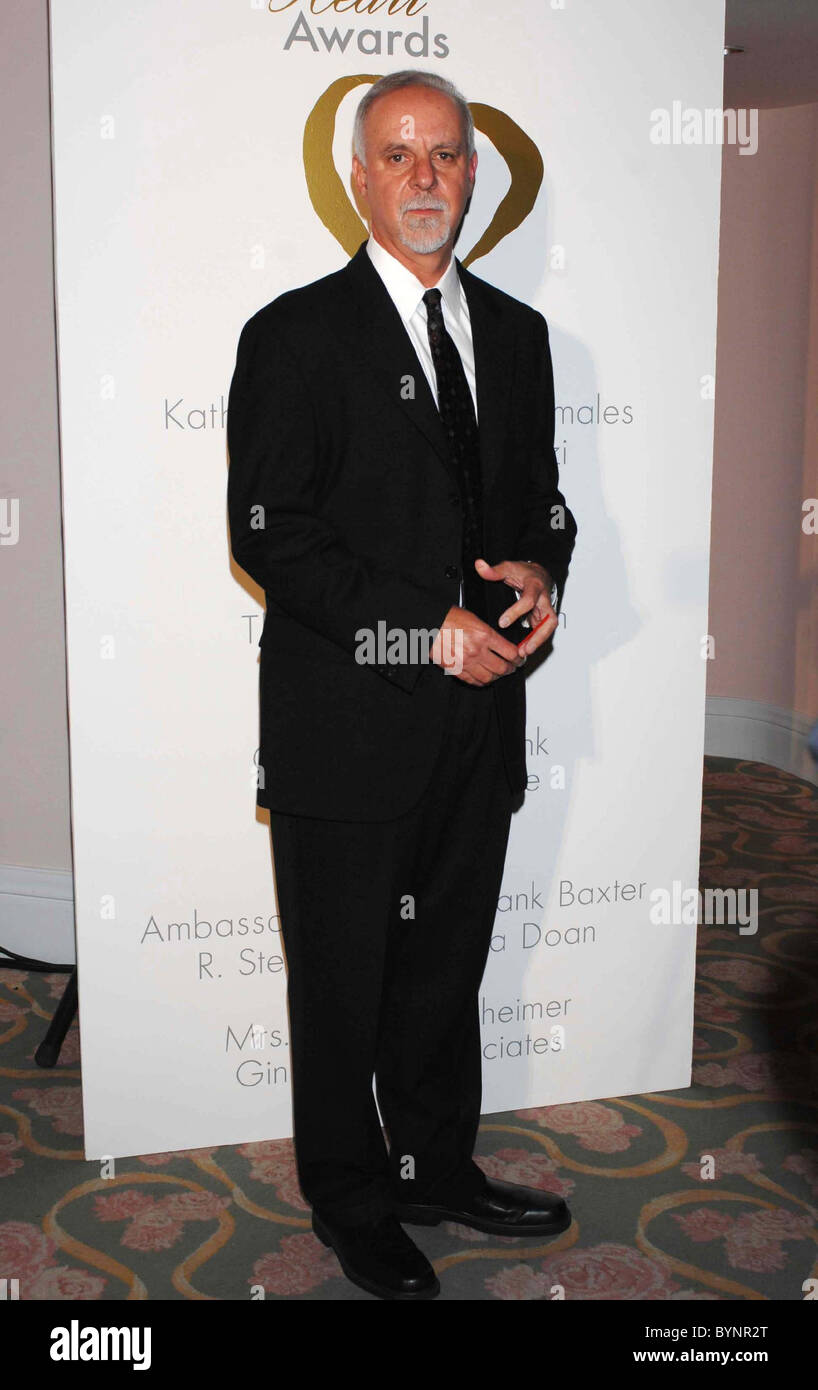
(277, 532)
(550, 528)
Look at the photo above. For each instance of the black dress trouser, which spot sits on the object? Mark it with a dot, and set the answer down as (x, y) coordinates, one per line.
(386, 929)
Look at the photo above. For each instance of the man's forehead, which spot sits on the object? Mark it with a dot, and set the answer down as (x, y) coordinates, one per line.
(423, 104)
(400, 137)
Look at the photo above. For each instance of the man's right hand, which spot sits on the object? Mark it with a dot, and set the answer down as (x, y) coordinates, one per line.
(476, 653)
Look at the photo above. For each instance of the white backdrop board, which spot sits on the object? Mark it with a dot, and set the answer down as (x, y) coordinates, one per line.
(182, 206)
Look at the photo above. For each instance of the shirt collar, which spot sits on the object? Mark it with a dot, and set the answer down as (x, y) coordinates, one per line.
(406, 290)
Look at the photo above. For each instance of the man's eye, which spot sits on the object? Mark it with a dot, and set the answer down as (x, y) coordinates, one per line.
(397, 155)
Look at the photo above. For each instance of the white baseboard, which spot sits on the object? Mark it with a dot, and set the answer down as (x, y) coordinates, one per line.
(37, 914)
(764, 733)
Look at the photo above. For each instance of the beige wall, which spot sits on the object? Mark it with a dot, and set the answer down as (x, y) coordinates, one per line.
(34, 806)
(763, 591)
(806, 631)
(764, 596)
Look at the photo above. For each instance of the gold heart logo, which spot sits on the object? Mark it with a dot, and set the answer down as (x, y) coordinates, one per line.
(335, 209)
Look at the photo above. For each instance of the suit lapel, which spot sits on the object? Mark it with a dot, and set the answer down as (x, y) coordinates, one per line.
(385, 351)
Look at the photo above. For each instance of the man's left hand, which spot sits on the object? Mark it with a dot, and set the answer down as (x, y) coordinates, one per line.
(534, 584)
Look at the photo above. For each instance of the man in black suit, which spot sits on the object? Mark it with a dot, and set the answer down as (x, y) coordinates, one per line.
(390, 430)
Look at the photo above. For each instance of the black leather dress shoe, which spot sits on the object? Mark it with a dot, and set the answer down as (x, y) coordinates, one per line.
(379, 1256)
(501, 1208)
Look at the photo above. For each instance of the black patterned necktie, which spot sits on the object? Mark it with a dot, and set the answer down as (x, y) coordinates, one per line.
(456, 407)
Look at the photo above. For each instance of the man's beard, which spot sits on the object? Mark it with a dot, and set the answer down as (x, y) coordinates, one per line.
(421, 238)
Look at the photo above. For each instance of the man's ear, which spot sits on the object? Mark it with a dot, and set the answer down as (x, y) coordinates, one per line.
(359, 174)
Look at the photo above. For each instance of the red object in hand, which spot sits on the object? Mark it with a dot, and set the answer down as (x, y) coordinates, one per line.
(533, 630)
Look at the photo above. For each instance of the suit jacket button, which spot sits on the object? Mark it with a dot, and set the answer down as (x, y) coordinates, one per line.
(451, 571)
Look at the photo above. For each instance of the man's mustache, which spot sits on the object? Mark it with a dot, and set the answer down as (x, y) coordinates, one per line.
(432, 204)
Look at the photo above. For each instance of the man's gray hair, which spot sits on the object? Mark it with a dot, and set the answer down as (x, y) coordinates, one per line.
(410, 77)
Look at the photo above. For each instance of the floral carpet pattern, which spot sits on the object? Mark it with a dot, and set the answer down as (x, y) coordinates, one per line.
(708, 1193)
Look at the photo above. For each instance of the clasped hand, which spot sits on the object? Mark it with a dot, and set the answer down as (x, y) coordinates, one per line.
(483, 654)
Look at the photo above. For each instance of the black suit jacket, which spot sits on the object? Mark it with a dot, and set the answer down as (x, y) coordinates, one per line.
(344, 507)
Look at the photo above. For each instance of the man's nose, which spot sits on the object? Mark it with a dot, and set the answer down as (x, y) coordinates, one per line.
(424, 173)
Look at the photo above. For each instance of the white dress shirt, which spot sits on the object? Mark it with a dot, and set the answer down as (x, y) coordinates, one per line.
(406, 293)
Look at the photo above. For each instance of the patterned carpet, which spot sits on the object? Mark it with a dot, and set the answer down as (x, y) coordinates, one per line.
(649, 1222)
